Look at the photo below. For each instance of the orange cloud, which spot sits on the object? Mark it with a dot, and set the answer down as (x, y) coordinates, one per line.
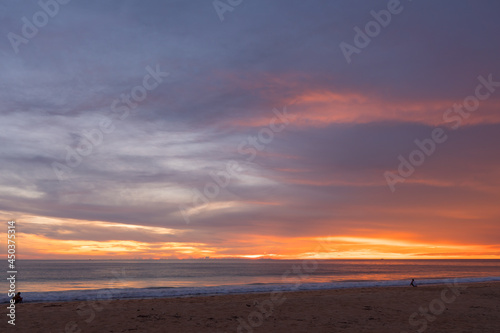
(321, 108)
(335, 247)
(360, 240)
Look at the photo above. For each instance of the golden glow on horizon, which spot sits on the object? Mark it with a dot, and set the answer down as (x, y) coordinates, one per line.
(39, 247)
(67, 239)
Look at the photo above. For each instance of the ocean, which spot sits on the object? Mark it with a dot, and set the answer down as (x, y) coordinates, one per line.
(72, 280)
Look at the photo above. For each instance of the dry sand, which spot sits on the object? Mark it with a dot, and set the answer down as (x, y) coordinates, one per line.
(473, 309)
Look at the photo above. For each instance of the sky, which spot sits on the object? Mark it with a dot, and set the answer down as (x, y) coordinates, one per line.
(250, 129)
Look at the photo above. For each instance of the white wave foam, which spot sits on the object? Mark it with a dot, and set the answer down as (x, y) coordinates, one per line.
(137, 293)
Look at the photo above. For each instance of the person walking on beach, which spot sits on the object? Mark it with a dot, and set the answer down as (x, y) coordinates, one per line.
(412, 283)
(17, 298)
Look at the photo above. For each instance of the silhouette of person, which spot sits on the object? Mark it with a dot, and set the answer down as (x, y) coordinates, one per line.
(18, 298)
(412, 283)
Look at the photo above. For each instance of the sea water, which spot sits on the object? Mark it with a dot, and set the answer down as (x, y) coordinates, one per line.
(69, 280)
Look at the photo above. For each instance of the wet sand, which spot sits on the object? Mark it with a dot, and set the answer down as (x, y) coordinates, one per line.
(437, 308)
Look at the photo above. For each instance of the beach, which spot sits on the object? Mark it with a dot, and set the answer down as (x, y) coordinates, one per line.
(471, 307)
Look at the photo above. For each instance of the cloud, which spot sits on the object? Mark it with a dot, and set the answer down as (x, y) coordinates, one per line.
(321, 176)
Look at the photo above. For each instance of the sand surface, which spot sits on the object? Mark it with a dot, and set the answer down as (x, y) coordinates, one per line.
(462, 308)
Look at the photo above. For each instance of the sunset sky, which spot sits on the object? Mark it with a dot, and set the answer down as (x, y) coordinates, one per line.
(217, 130)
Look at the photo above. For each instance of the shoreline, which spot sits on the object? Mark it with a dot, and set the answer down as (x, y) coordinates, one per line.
(375, 309)
(77, 295)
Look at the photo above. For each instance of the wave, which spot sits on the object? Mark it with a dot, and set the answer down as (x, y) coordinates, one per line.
(164, 292)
